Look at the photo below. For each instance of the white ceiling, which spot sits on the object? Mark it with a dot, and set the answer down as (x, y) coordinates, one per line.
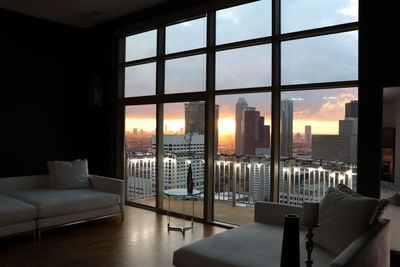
(78, 13)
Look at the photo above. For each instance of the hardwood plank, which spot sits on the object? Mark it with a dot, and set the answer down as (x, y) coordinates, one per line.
(142, 240)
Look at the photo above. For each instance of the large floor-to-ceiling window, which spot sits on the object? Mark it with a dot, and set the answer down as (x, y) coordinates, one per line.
(259, 100)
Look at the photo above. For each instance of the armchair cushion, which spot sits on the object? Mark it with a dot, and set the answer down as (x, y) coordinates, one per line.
(383, 203)
(343, 218)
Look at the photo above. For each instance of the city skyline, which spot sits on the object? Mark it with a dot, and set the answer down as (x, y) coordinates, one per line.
(319, 108)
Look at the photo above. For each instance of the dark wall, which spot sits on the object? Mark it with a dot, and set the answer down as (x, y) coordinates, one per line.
(43, 94)
(378, 60)
(101, 118)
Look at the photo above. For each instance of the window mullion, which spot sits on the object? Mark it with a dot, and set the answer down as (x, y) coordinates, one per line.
(209, 121)
(160, 73)
(276, 79)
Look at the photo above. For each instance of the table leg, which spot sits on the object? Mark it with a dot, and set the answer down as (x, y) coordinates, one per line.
(192, 210)
(169, 212)
(183, 228)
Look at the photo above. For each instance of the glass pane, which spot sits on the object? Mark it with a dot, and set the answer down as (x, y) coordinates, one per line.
(186, 36)
(140, 80)
(318, 142)
(142, 45)
(244, 22)
(242, 163)
(186, 74)
(303, 15)
(184, 149)
(326, 58)
(140, 129)
(243, 67)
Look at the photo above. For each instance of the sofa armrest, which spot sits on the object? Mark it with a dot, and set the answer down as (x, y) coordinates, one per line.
(110, 185)
(274, 213)
(372, 248)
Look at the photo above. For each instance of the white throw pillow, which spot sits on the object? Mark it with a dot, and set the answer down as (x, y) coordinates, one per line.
(68, 174)
(343, 218)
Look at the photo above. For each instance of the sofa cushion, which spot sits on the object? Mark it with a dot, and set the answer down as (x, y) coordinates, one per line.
(383, 203)
(54, 202)
(68, 174)
(13, 211)
(343, 217)
(256, 244)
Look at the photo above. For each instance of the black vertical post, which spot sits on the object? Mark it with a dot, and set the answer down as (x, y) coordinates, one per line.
(276, 100)
(160, 71)
(370, 102)
(209, 121)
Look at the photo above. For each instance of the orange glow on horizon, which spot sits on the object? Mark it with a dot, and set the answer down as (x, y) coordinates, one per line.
(227, 125)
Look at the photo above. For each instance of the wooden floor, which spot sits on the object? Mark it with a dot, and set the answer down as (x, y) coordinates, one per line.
(142, 240)
(222, 212)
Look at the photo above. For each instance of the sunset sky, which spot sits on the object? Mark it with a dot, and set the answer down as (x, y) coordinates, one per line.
(318, 59)
(322, 109)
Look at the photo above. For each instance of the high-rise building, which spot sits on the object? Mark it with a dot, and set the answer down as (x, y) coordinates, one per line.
(194, 117)
(176, 149)
(251, 135)
(195, 121)
(352, 109)
(348, 126)
(342, 147)
(286, 128)
(307, 135)
(263, 134)
(241, 106)
(135, 131)
(250, 131)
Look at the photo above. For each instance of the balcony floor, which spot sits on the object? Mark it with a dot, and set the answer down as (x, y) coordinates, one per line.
(222, 212)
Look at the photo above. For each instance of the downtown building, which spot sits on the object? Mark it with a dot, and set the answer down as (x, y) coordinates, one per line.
(341, 147)
(195, 119)
(252, 137)
(286, 125)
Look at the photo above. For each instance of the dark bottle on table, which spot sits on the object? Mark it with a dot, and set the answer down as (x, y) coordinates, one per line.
(189, 180)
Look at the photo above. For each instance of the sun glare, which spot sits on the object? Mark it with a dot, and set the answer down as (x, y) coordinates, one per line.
(226, 126)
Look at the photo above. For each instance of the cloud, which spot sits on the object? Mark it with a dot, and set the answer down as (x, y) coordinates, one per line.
(350, 10)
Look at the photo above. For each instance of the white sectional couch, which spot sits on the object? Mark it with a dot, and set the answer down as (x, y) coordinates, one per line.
(260, 244)
(28, 204)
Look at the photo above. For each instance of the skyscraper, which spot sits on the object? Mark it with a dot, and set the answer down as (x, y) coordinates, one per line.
(249, 134)
(307, 135)
(263, 134)
(241, 106)
(286, 128)
(352, 109)
(342, 147)
(194, 119)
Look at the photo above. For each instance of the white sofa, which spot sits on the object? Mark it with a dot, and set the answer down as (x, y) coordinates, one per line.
(260, 244)
(392, 213)
(28, 204)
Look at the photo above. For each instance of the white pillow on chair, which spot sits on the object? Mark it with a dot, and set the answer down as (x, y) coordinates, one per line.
(68, 174)
(343, 218)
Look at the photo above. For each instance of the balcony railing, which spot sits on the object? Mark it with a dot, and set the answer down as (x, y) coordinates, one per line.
(239, 180)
